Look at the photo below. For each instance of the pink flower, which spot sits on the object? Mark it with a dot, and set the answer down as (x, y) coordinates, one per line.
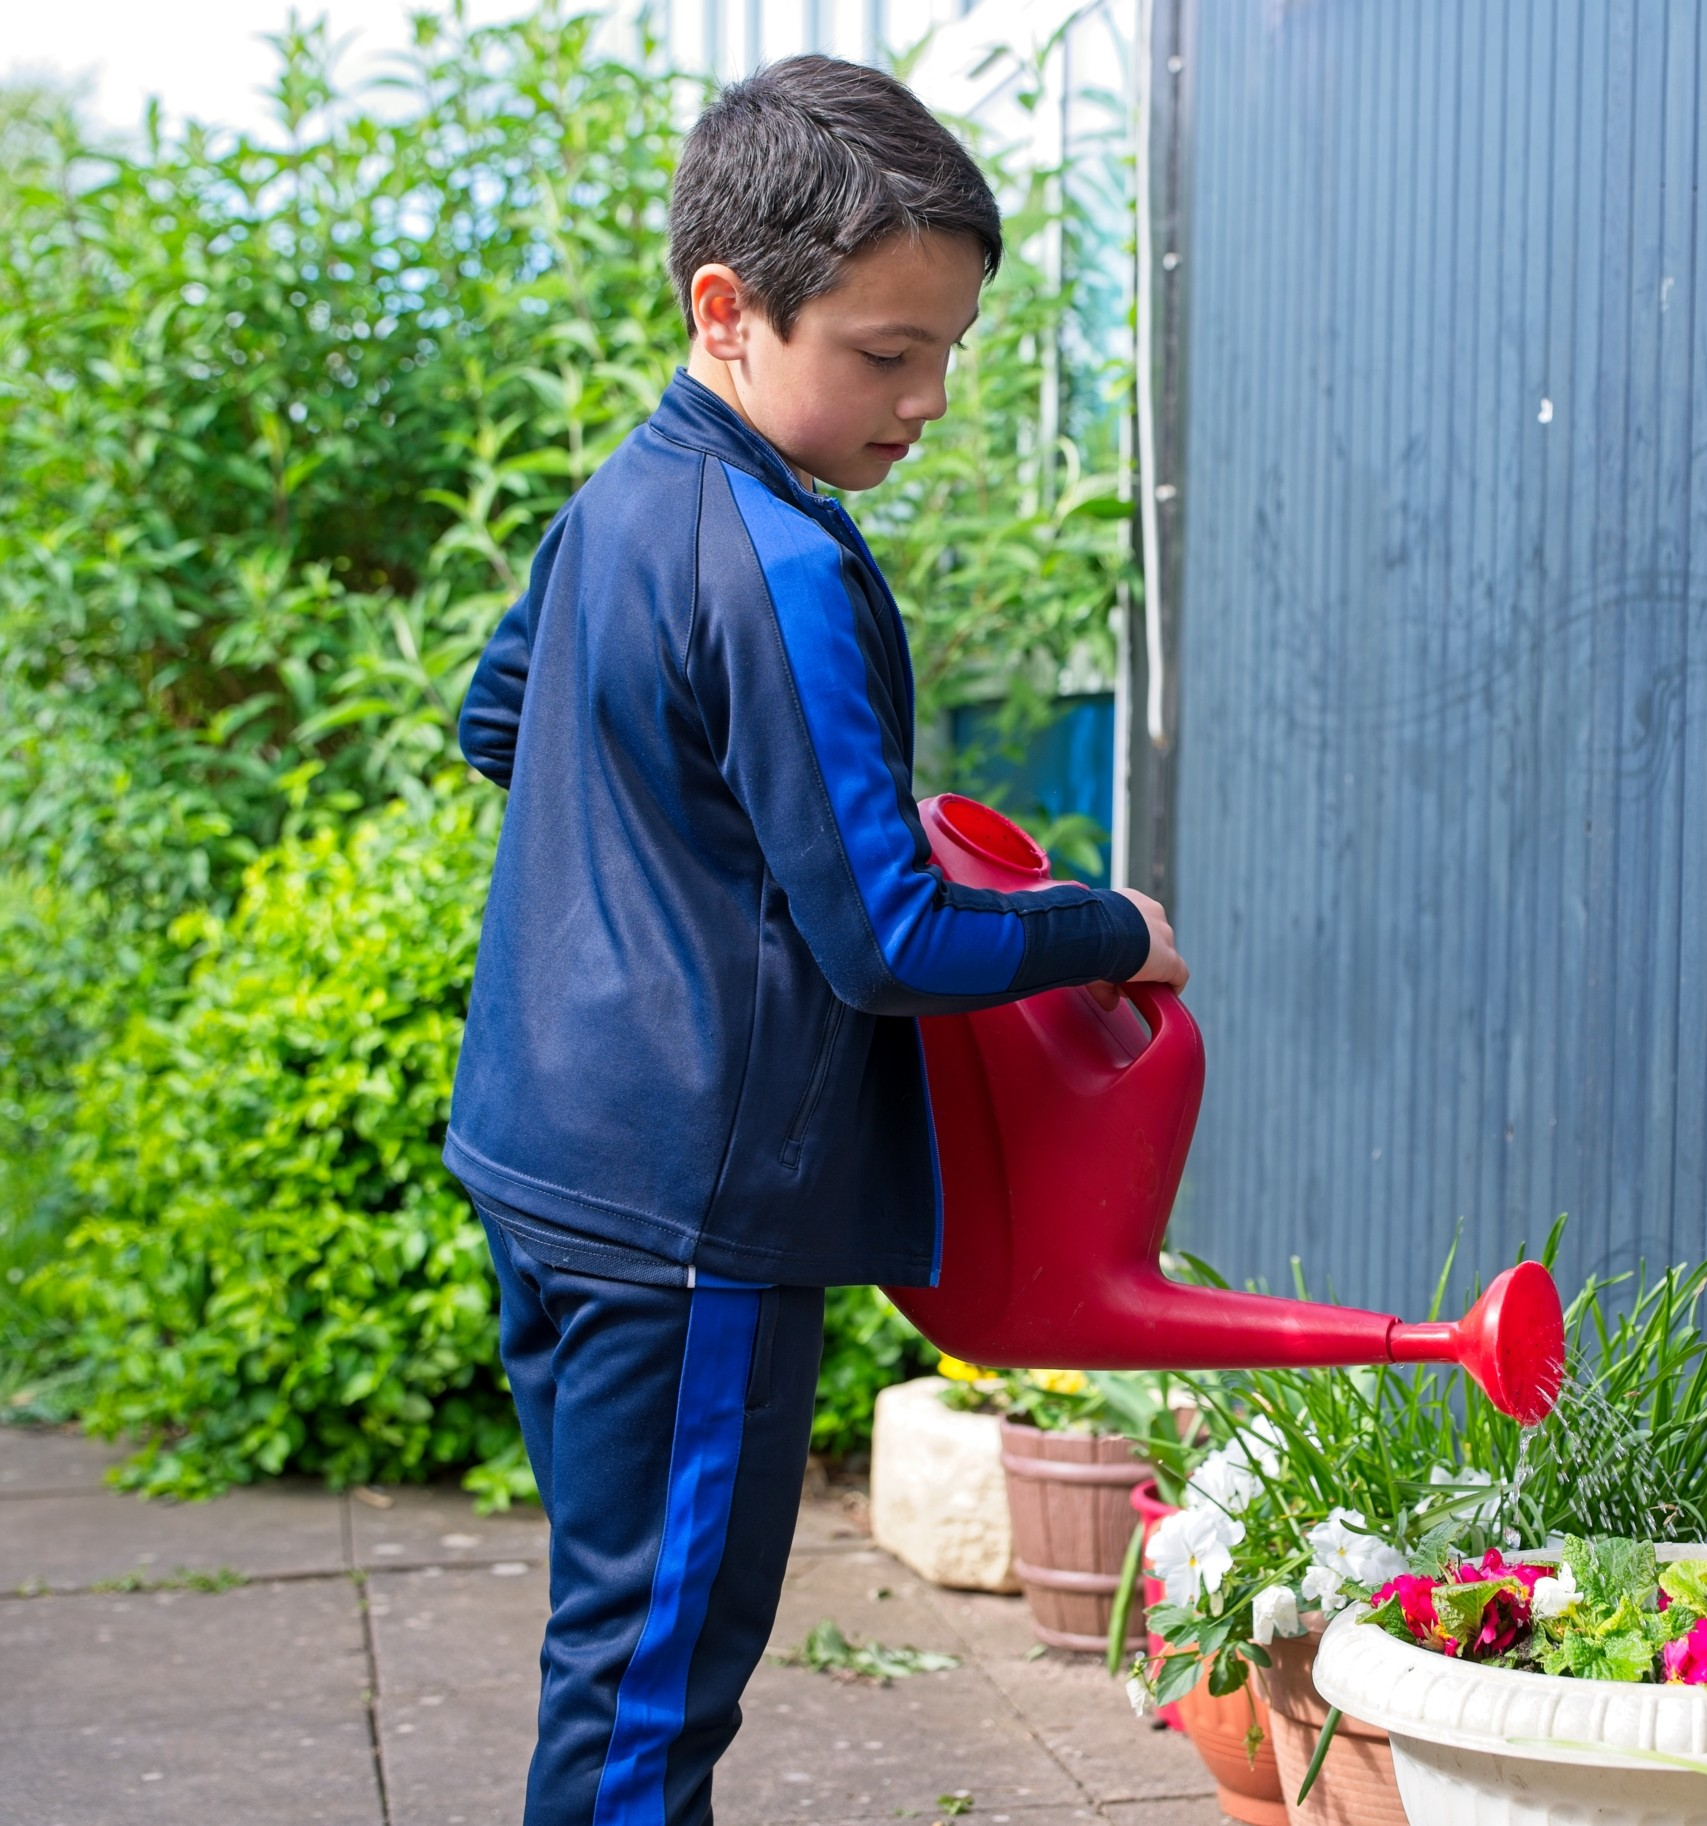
(1685, 1660)
(1505, 1617)
(1495, 1566)
(1416, 1603)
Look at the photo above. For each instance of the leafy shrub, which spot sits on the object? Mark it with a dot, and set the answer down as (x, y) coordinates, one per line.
(277, 1270)
(867, 1345)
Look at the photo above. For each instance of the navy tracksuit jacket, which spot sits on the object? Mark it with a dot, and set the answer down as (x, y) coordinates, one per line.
(691, 1092)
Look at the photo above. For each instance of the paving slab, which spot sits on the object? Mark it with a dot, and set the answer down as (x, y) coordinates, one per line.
(1074, 1708)
(187, 1708)
(439, 1527)
(73, 1541)
(460, 1758)
(445, 1630)
(36, 1461)
(307, 1766)
(1193, 1812)
(158, 1656)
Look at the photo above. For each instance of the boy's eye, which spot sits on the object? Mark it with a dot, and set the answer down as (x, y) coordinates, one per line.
(881, 361)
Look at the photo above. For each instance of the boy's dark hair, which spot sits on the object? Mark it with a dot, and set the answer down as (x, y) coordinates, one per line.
(798, 168)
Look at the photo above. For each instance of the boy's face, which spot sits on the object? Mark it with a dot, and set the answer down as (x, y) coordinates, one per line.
(863, 368)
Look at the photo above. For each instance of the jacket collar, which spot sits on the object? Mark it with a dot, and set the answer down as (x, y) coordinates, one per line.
(691, 414)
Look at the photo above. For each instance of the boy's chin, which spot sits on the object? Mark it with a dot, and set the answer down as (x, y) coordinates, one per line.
(864, 469)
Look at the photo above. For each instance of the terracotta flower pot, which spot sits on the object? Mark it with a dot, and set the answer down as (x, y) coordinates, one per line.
(1356, 1786)
(1245, 1789)
(1069, 1498)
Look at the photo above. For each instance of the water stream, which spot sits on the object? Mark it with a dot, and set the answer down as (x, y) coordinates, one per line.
(1599, 1452)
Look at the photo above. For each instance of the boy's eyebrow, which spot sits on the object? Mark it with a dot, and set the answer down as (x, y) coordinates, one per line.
(911, 331)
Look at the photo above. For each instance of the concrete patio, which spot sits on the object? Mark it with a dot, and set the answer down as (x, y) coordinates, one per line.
(289, 1655)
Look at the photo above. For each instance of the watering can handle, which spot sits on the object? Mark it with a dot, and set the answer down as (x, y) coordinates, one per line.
(1174, 1035)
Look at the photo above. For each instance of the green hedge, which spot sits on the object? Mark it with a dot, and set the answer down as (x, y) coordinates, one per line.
(277, 1271)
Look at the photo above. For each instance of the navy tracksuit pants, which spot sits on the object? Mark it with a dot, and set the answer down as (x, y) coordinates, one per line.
(668, 1430)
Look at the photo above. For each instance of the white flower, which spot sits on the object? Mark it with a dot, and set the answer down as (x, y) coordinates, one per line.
(1137, 1696)
(1221, 1482)
(1274, 1608)
(1336, 1541)
(1260, 1442)
(1554, 1596)
(1229, 1479)
(1321, 1586)
(1191, 1552)
(1345, 1549)
(1376, 1562)
(1463, 1480)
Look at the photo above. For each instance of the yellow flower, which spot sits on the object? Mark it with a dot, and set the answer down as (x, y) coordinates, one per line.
(1060, 1381)
(956, 1371)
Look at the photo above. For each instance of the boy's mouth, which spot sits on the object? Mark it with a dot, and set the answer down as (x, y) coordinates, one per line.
(890, 453)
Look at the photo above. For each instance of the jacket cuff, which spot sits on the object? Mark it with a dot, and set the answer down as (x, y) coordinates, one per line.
(1129, 938)
(1095, 938)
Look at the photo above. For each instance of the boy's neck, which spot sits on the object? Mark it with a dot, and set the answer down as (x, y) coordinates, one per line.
(714, 374)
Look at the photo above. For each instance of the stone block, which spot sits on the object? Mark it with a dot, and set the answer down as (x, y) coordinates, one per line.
(938, 1502)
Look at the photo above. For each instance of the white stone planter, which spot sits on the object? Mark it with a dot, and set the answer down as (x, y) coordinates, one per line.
(939, 1502)
(1479, 1746)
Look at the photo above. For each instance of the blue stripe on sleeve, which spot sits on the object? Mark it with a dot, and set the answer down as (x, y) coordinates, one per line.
(651, 1701)
(928, 946)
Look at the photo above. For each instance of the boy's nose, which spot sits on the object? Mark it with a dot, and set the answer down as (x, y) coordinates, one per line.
(920, 408)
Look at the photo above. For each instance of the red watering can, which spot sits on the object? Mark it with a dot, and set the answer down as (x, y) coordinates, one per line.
(1063, 1130)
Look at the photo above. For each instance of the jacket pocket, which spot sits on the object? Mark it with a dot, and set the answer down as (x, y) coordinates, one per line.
(814, 1085)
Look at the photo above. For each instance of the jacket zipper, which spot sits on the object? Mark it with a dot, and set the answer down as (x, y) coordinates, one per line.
(814, 1085)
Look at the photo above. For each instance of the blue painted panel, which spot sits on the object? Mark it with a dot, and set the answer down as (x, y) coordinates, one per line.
(1441, 853)
(1067, 768)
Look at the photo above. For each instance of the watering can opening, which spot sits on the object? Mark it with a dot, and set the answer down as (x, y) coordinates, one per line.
(1062, 1133)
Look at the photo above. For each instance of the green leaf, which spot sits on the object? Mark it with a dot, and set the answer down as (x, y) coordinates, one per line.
(1176, 1677)
(1324, 1742)
(1460, 1607)
(1228, 1672)
(1685, 1582)
(1434, 1555)
(1390, 1616)
(1625, 1655)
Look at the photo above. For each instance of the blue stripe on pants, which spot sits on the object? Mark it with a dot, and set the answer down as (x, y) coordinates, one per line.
(705, 1452)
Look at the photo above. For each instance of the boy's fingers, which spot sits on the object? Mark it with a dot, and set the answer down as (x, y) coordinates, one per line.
(1164, 964)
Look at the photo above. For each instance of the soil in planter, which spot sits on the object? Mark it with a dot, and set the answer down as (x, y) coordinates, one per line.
(1069, 1497)
(1356, 1785)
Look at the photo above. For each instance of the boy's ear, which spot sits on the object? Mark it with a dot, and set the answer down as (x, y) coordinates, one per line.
(719, 312)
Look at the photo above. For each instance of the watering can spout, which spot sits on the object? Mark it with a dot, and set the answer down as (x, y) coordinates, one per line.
(1062, 1132)
(1512, 1341)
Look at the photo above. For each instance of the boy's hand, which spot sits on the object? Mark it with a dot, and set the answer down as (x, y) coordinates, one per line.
(1163, 965)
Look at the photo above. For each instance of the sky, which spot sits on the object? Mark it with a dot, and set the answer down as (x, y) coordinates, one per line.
(205, 59)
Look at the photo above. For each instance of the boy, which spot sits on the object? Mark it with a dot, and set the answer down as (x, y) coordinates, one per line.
(691, 1094)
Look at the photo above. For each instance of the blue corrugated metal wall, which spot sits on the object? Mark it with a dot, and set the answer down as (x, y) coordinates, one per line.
(1441, 842)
